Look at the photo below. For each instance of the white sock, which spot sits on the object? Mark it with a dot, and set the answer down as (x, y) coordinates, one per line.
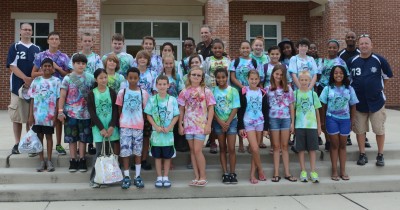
(126, 173)
(165, 178)
(137, 171)
(159, 178)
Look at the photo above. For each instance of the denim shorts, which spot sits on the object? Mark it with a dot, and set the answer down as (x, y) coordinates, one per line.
(278, 124)
(232, 130)
(259, 127)
(200, 137)
(338, 126)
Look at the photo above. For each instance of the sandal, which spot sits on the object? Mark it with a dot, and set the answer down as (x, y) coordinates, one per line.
(253, 181)
(201, 183)
(335, 178)
(276, 179)
(291, 178)
(193, 182)
(345, 177)
(262, 146)
(262, 177)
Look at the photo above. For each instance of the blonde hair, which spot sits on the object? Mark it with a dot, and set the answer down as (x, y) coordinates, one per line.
(173, 61)
(143, 54)
(261, 38)
(189, 83)
(114, 58)
(305, 73)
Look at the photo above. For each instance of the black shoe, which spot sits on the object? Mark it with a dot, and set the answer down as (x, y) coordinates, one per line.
(91, 149)
(320, 142)
(362, 159)
(146, 166)
(14, 150)
(226, 179)
(380, 161)
(82, 165)
(327, 146)
(208, 144)
(294, 149)
(349, 143)
(367, 145)
(73, 165)
(291, 142)
(233, 178)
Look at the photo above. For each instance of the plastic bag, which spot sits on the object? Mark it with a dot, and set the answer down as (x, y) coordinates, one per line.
(107, 167)
(30, 143)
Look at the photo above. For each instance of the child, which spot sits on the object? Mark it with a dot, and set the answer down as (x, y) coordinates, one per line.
(287, 50)
(60, 69)
(196, 60)
(196, 105)
(44, 92)
(217, 60)
(307, 125)
(281, 116)
(168, 49)
(112, 66)
(125, 60)
(189, 46)
(175, 82)
(104, 117)
(73, 95)
(253, 120)
(340, 99)
(162, 113)
(225, 123)
(131, 102)
(155, 61)
(274, 55)
(257, 47)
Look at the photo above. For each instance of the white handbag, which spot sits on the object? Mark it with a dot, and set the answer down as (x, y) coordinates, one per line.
(107, 167)
(30, 143)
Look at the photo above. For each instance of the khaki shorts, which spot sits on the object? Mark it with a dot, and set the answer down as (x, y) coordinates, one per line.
(18, 109)
(377, 120)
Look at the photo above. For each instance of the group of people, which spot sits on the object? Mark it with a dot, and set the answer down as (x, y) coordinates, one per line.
(145, 105)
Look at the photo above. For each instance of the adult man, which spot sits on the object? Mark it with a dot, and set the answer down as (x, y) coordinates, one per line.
(20, 61)
(369, 73)
(204, 47)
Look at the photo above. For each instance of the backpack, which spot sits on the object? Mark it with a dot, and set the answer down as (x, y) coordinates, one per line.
(237, 61)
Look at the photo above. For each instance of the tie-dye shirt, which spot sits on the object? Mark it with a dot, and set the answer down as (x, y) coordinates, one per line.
(261, 60)
(175, 85)
(211, 64)
(147, 81)
(162, 110)
(93, 62)
(156, 65)
(45, 93)
(61, 59)
(115, 81)
(326, 67)
(297, 65)
(306, 104)
(196, 101)
(268, 71)
(338, 100)
(243, 69)
(279, 102)
(126, 61)
(133, 103)
(75, 103)
(226, 100)
(253, 115)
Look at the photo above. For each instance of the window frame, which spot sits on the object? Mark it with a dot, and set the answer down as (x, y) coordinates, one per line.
(34, 21)
(263, 23)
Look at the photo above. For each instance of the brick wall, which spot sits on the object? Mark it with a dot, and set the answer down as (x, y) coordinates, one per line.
(88, 15)
(217, 16)
(65, 24)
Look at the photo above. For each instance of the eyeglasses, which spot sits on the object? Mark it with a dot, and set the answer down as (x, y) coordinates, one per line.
(196, 75)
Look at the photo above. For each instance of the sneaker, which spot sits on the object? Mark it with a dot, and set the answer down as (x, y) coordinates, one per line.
(146, 166)
(60, 149)
(166, 183)
(226, 179)
(294, 149)
(303, 176)
(158, 184)
(138, 182)
(126, 182)
(73, 165)
(233, 178)
(349, 143)
(91, 149)
(213, 148)
(50, 166)
(93, 184)
(32, 154)
(380, 161)
(320, 142)
(14, 150)
(362, 159)
(314, 177)
(42, 167)
(327, 146)
(367, 145)
(82, 165)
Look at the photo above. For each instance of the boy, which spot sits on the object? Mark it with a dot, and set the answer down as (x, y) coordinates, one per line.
(131, 102)
(73, 110)
(307, 125)
(60, 69)
(125, 60)
(44, 92)
(162, 113)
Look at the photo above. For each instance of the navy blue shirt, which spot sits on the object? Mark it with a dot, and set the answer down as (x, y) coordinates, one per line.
(367, 75)
(24, 57)
(346, 55)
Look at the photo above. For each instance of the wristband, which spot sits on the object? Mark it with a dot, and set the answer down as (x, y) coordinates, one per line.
(60, 110)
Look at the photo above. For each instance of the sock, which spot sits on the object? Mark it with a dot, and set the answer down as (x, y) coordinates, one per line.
(165, 178)
(126, 173)
(137, 171)
(159, 178)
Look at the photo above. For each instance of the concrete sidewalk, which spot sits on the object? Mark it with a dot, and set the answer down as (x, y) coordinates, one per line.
(378, 201)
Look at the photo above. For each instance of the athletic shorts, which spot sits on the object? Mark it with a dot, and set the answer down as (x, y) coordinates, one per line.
(166, 152)
(278, 124)
(43, 129)
(77, 130)
(232, 130)
(306, 139)
(131, 141)
(338, 126)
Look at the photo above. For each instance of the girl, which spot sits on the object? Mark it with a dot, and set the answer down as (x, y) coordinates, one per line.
(189, 46)
(168, 49)
(169, 70)
(281, 116)
(112, 66)
(339, 99)
(274, 55)
(196, 60)
(324, 72)
(287, 51)
(155, 62)
(225, 122)
(196, 105)
(257, 46)
(217, 60)
(313, 52)
(253, 120)
(104, 117)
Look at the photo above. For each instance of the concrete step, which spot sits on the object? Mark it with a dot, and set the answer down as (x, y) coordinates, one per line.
(180, 189)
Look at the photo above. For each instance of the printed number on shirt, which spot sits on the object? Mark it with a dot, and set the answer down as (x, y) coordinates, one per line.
(21, 55)
(356, 71)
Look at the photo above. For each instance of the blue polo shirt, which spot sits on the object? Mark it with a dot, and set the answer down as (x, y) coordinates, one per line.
(367, 75)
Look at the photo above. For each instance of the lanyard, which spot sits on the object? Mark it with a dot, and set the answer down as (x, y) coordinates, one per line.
(162, 121)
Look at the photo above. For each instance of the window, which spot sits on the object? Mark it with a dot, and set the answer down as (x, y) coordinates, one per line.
(271, 31)
(40, 30)
(162, 31)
